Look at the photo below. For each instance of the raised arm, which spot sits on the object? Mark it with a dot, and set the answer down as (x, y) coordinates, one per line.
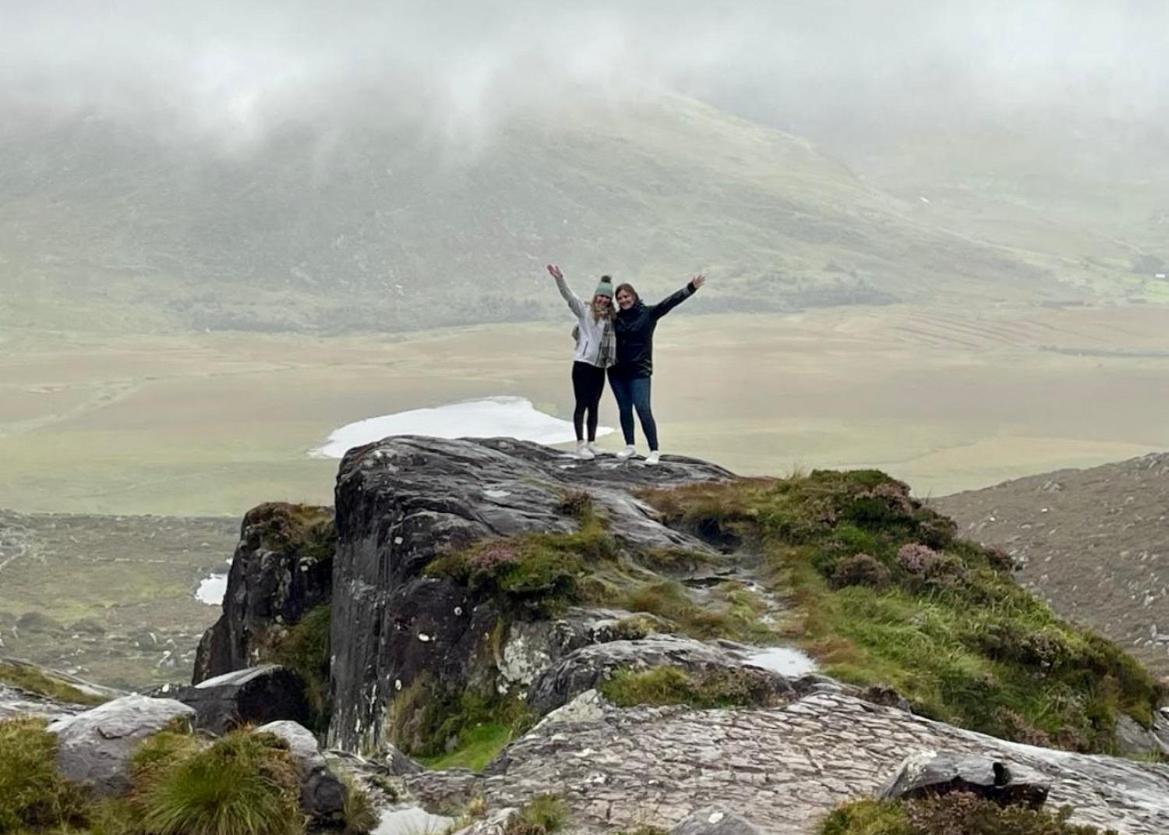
(574, 303)
(674, 299)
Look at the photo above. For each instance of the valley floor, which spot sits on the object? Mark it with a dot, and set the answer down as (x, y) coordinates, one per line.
(211, 424)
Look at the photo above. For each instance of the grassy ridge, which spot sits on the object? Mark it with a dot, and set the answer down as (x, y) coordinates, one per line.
(885, 594)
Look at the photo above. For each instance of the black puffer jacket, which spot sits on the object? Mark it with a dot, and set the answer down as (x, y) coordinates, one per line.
(635, 333)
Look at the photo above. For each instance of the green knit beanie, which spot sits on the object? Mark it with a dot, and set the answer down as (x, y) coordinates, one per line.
(605, 288)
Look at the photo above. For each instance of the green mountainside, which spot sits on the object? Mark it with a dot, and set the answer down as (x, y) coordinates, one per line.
(387, 228)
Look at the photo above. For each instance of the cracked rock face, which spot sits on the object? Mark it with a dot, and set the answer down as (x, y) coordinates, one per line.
(403, 501)
(781, 769)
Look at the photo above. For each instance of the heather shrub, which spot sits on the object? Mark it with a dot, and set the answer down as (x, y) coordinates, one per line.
(860, 570)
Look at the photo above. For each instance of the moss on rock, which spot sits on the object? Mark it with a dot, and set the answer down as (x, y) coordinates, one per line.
(304, 649)
(713, 688)
(307, 530)
(950, 814)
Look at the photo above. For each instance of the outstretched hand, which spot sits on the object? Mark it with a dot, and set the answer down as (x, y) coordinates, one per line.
(554, 271)
(698, 281)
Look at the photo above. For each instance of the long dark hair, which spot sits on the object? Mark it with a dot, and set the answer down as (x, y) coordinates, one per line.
(628, 288)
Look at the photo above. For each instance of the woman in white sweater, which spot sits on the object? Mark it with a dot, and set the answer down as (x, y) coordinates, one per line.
(596, 350)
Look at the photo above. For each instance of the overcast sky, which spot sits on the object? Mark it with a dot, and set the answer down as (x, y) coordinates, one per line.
(233, 71)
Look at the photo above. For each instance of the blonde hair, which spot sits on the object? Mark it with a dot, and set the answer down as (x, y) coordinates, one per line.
(602, 312)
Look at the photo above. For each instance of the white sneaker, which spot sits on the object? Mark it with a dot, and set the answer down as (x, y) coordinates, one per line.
(654, 457)
(627, 453)
(583, 452)
(593, 448)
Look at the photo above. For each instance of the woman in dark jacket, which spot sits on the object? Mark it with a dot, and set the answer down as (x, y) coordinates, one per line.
(630, 376)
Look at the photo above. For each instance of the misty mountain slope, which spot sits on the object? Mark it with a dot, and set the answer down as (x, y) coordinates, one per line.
(1093, 542)
(387, 228)
(1090, 189)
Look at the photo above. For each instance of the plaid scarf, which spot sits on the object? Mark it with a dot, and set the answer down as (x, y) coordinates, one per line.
(607, 355)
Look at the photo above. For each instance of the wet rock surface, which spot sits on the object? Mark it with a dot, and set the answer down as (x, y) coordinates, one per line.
(782, 769)
(403, 501)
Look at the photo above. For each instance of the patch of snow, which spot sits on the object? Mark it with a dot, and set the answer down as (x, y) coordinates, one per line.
(491, 417)
(212, 589)
(783, 660)
(496, 494)
(412, 821)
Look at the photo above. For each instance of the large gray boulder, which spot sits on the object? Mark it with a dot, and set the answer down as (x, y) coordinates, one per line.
(946, 771)
(403, 501)
(266, 693)
(322, 794)
(1132, 739)
(282, 568)
(96, 746)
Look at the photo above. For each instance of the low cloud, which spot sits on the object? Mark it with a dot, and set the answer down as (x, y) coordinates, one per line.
(234, 73)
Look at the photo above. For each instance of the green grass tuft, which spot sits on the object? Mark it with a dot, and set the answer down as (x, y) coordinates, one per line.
(359, 813)
(243, 784)
(883, 593)
(446, 727)
(950, 814)
(714, 688)
(541, 815)
(478, 745)
(32, 794)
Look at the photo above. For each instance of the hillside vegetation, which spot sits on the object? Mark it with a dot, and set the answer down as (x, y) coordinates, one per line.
(380, 228)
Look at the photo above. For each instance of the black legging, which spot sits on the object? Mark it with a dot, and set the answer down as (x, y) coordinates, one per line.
(588, 383)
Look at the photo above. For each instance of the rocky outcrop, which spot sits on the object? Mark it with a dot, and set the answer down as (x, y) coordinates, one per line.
(942, 772)
(402, 502)
(782, 769)
(96, 746)
(322, 794)
(1134, 740)
(282, 568)
(267, 693)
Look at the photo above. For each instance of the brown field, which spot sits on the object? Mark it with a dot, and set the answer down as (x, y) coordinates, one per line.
(210, 424)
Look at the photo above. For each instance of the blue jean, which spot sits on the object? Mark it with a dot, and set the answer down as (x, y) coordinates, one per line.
(633, 393)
